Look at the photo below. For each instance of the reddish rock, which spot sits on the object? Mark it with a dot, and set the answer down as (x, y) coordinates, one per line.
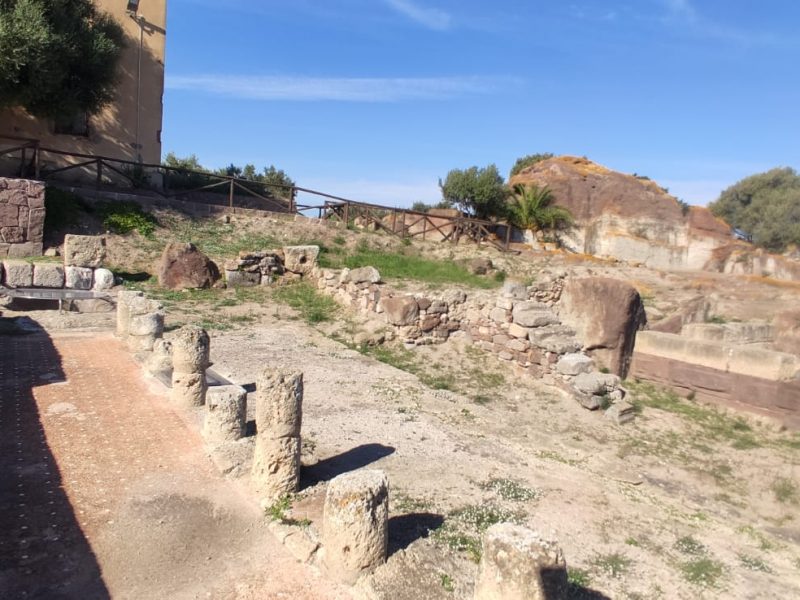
(606, 314)
(183, 266)
(400, 310)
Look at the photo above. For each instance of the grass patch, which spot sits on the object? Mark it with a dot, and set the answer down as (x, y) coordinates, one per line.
(703, 572)
(785, 490)
(509, 489)
(753, 563)
(689, 545)
(312, 305)
(393, 265)
(447, 582)
(125, 217)
(714, 424)
(614, 564)
(463, 527)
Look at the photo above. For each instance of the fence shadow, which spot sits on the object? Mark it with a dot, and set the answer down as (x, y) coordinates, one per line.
(43, 551)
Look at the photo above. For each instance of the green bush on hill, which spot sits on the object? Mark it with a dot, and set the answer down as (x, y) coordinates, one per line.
(766, 206)
(526, 161)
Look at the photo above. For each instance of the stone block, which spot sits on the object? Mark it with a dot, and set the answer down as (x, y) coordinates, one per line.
(364, 275)
(18, 273)
(242, 278)
(518, 331)
(574, 364)
(533, 314)
(188, 389)
(48, 275)
(300, 259)
(499, 315)
(518, 564)
(276, 467)
(400, 310)
(595, 383)
(84, 251)
(78, 278)
(621, 413)
(25, 249)
(103, 280)
(355, 528)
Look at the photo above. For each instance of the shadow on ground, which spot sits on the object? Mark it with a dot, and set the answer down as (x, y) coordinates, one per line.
(407, 529)
(353, 459)
(43, 552)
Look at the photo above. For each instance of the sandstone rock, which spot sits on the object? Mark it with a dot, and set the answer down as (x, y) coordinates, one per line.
(48, 275)
(574, 364)
(518, 564)
(279, 403)
(226, 411)
(364, 275)
(499, 315)
(355, 531)
(190, 350)
(480, 266)
(84, 251)
(188, 389)
(533, 314)
(78, 278)
(787, 332)
(147, 324)
(160, 361)
(276, 467)
(621, 413)
(103, 280)
(515, 290)
(124, 298)
(183, 266)
(606, 314)
(595, 383)
(17, 273)
(242, 278)
(453, 297)
(400, 310)
(300, 259)
(560, 344)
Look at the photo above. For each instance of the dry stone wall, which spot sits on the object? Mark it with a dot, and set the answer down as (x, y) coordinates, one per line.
(21, 217)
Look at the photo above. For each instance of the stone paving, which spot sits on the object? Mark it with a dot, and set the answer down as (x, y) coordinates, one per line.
(105, 490)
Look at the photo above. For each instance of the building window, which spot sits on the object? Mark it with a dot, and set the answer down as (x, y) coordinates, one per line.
(75, 125)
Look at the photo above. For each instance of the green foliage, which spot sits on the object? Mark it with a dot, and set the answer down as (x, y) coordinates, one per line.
(511, 490)
(785, 490)
(531, 208)
(62, 209)
(703, 572)
(689, 545)
(313, 306)
(478, 192)
(402, 266)
(124, 217)
(526, 161)
(447, 582)
(766, 205)
(614, 564)
(58, 58)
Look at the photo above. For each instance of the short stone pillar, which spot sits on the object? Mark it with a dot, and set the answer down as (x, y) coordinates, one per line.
(517, 564)
(279, 415)
(226, 414)
(355, 524)
(123, 310)
(140, 321)
(190, 353)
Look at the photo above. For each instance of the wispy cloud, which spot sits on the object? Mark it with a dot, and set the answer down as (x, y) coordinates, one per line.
(432, 18)
(377, 89)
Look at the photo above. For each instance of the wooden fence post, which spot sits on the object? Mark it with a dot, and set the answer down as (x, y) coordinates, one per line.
(230, 193)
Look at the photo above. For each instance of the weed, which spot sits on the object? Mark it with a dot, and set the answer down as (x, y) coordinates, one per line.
(508, 489)
(703, 572)
(500, 276)
(754, 563)
(614, 564)
(578, 578)
(339, 240)
(447, 582)
(689, 545)
(313, 306)
(406, 504)
(482, 516)
(785, 490)
(632, 541)
(460, 542)
(481, 400)
(277, 511)
(763, 541)
(124, 217)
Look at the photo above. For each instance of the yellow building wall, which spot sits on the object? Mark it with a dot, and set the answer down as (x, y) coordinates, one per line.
(113, 131)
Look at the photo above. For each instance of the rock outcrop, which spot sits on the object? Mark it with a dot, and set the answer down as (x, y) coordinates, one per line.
(627, 217)
(183, 266)
(606, 314)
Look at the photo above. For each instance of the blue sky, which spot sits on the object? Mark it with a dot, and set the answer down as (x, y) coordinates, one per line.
(377, 99)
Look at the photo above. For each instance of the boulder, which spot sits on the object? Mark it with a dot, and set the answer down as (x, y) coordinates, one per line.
(400, 310)
(183, 266)
(574, 364)
(595, 383)
(300, 259)
(103, 280)
(364, 275)
(49, 275)
(606, 314)
(84, 251)
(78, 278)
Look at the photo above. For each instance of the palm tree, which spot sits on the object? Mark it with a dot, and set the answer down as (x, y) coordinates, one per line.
(530, 209)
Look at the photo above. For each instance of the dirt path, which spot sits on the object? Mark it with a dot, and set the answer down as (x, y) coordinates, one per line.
(107, 493)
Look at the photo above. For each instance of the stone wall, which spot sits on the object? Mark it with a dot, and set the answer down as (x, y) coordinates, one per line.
(21, 217)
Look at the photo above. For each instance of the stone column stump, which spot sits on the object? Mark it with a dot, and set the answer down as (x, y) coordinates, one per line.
(517, 564)
(123, 310)
(226, 413)
(355, 526)
(279, 415)
(190, 352)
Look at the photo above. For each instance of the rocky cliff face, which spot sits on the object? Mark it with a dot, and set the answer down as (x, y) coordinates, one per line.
(626, 217)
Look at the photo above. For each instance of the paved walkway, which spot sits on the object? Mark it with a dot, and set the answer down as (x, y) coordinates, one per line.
(105, 491)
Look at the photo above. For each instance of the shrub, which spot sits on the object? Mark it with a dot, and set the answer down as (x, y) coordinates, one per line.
(124, 217)
(526, 161)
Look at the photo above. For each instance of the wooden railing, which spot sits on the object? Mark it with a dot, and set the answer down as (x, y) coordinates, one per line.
(400, 222)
